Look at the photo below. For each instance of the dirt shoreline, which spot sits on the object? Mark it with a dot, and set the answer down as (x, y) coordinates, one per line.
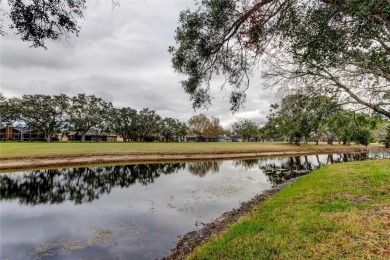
(52, 161)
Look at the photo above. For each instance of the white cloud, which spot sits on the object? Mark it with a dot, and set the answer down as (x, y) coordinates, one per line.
(120, 55)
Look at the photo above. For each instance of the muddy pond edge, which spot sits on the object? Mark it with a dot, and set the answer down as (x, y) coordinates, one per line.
(101, 159)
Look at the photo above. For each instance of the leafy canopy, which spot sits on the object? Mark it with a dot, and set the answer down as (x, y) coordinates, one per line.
(37, 21)
(340, 48)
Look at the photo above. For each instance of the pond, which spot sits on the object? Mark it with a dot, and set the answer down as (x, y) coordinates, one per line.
(131, 211)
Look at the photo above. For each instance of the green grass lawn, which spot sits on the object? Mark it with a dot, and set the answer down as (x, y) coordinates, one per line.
(23, 149)
(341, 211)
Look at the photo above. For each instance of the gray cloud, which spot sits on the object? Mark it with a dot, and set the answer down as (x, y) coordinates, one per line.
(121, 56)
(15, 54)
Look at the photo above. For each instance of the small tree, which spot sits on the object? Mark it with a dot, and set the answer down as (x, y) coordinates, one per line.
(198, 124)
(246, 128)
(363, 137)
(214, 128)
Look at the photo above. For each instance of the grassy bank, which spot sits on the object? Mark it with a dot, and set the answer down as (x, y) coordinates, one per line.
(26, 149)
(341, 211)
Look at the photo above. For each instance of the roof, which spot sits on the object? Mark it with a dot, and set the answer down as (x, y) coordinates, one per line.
(23, 130)
(90, 134)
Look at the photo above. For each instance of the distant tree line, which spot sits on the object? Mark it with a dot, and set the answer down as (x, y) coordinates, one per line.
(300, 117)
(297, 118)
(84, 114)
(87, 113)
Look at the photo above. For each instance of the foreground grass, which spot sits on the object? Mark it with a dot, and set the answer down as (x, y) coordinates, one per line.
(13, 149)
(341, 211)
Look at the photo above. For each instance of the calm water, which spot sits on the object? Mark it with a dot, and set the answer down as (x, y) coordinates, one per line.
(133, 211)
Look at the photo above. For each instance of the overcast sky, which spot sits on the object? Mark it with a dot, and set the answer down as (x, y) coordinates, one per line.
(121, 56)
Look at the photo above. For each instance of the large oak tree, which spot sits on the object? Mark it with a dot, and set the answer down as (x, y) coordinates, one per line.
(336, 47)
(123, 121)
(87, 112)
(37, 21)
(41, 112)
(147, 123)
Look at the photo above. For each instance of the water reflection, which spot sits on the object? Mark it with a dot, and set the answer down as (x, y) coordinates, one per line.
(87, 184)
(283, 169)
(202, 168)
(130, 211)
(78, 184)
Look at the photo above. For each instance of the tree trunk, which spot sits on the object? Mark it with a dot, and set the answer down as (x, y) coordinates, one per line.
(318, 160)
(330, 158)
(47, 137)
(83, 137)
(306, 161)
(298, 163)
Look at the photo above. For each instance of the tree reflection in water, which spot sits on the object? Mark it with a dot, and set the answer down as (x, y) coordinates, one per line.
(279, 170)
(82, 185)
(202, 168)
(78, 184)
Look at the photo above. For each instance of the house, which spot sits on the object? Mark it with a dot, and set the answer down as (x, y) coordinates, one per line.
(18, 133)
(191, 138)
(236, 138)
(89, 136)
(218, 138)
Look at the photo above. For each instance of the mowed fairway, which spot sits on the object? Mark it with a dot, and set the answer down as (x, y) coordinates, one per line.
(27, 149)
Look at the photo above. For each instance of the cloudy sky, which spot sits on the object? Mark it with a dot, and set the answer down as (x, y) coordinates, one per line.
(121, 56)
